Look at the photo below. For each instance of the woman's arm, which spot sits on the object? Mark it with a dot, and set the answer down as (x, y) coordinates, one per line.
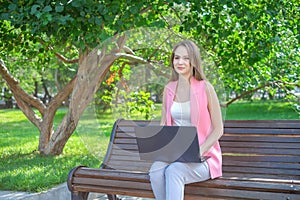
(216, 119)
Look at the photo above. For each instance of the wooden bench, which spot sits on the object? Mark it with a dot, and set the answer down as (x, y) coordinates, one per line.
(261, 160)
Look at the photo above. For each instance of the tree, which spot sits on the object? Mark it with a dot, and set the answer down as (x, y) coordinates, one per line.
(255, 43)
(69, 30)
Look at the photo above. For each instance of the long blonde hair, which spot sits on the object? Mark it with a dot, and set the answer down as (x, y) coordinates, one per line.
(195, 60)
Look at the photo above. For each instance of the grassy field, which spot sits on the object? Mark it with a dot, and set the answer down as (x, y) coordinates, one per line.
(261, 110)
(23, 169)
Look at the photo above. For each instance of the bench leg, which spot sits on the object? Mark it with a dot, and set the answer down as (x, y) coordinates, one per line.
(79, 195)
(112, 197)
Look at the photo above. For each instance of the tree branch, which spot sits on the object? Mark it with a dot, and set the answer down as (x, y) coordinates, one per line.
(65, 60)
(18, 91)
(256, 89)
(60, 56)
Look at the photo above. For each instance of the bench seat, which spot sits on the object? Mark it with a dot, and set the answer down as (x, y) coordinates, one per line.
(261, 160)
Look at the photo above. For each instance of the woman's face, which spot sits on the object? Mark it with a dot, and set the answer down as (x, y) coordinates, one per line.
(181, 62)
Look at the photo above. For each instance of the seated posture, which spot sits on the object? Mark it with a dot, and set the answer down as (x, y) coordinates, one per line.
(189, 100)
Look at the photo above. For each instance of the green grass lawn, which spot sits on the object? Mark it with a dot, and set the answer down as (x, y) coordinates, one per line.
(262, 110)
(23, 169)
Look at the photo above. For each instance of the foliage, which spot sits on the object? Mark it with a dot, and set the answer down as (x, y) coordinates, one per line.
(81, 23)
(253, 42)
(141, 103)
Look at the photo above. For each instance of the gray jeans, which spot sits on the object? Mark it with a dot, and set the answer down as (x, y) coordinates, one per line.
(168, 179)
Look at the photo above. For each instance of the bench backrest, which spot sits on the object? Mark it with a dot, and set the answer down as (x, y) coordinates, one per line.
(268, 148)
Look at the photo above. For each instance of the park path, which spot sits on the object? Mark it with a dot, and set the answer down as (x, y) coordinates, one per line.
(60, 192)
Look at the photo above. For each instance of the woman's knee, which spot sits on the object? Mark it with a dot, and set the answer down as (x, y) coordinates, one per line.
(158, 166)
(157, 170)
(175, 169)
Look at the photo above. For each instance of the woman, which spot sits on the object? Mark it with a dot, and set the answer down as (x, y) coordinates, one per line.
(189, 100)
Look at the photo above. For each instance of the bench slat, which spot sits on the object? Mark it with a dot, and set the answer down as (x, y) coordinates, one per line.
(279, 124)
(262, 158)
(263, 151)
(275, 165)
(130, 184)
(239, 176)
(238, 194)
(250, 185)
(129, 168)
(262, 131)
(111, 190)
(269, 145)
(243, 138)
(257, 170)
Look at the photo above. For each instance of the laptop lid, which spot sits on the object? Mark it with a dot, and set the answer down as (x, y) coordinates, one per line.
(168, 143)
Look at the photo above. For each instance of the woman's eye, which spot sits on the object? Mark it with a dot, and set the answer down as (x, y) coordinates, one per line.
(186, 58)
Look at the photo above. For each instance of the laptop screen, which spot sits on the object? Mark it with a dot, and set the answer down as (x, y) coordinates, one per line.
(168, 143)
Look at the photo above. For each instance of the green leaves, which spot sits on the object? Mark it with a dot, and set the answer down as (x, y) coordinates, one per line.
(140, 104)
(59, 8)
(47, 9)
(35, 10)
(246, 39)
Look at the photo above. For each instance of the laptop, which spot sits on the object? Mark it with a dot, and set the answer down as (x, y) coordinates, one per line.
(168, 143)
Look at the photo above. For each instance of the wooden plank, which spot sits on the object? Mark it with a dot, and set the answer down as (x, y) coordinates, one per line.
(125, 135)
(118, 191)
(262, 131)
(125, 141)
(251, 185)
(128, 184)
(261, 158)
(139, 168)
(261, 138)
(258, 170)
(138, 122)
(126, 146)
(245, 176)
(270, 145)
(130, 152)
(112, 174)
(263, 151)
(125, 157)
(270, 178)
(250, 163)
(239, 194)
(129, 164)
(262, 123)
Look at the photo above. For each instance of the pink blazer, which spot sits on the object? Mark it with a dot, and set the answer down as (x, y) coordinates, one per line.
(200, 118)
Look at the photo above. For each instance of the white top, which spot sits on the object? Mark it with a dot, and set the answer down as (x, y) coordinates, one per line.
(181, 113)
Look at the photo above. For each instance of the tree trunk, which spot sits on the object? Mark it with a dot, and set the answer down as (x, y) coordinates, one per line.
(91, 72)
